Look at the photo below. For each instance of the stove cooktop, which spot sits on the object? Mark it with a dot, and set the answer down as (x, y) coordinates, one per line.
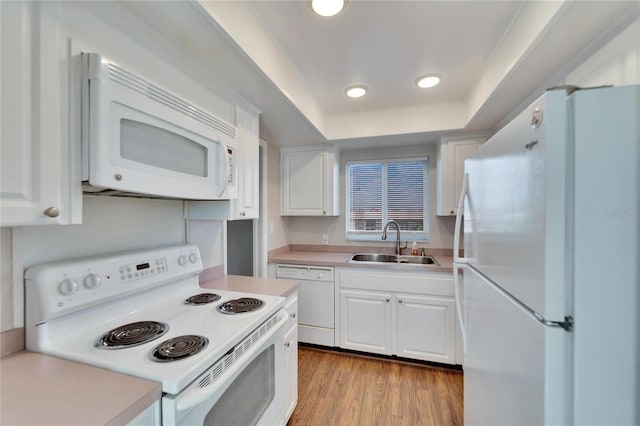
(220, 333)
(77, 325)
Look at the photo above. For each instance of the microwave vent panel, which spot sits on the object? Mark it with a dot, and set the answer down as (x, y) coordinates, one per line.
(125, 78)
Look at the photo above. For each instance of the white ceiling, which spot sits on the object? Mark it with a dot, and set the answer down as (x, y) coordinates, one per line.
(386, 45)
(292, 65)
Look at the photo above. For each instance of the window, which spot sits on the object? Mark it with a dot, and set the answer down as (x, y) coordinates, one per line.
(379, 191)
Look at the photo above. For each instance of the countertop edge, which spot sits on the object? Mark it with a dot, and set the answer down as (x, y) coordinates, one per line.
(339, 259)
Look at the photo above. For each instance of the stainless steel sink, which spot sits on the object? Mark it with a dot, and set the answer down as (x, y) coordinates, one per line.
(390, 258)
(419, 260)
(373, 257)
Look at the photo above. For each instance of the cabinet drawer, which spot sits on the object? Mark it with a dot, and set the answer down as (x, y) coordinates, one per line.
(435, 283)
(301, 272)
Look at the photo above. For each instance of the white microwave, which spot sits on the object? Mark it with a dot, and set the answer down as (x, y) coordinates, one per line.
(139, 139)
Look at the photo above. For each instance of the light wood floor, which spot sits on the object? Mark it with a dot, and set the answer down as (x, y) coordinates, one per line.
(344, 389)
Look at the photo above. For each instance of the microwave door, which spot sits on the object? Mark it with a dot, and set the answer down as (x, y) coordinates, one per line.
(151, 156)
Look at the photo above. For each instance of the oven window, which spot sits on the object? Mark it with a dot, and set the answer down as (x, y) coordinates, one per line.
(249, 396)
(161, 148)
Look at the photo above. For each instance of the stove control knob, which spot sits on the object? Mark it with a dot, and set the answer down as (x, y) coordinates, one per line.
(92, 281)
(67, 287)
(182, 260)
(193, 258)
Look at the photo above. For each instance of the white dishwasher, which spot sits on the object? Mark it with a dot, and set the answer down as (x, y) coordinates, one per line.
(316, 317)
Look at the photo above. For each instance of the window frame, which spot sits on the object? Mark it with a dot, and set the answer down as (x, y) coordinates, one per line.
(422, 236)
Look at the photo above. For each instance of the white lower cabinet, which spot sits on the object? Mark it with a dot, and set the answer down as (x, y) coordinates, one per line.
(425, 328)
(408, 315)
(366, 321)
(149, 417)
(291, 355)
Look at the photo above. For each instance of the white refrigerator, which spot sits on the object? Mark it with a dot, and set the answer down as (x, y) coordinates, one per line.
(547, 288)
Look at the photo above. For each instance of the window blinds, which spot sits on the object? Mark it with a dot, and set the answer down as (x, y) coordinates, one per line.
(387, 190)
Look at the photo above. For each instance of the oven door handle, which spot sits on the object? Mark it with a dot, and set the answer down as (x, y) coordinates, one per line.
(196, 395)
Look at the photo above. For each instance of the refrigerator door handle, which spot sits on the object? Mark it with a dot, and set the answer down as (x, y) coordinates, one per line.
(566, 325)
(457, 295)
(456, 233)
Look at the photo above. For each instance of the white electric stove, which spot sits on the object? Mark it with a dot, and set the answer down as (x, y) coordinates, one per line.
(144, 314)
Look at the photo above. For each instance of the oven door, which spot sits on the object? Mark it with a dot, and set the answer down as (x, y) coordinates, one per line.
(249, 392)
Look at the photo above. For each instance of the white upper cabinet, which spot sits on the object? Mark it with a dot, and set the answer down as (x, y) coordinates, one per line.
(309, 179)
(451, 154)
(36, 142)
(247, 205)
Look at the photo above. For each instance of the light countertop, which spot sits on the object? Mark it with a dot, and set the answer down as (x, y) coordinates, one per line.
(252, 285)
(38, 389)
(303, 257)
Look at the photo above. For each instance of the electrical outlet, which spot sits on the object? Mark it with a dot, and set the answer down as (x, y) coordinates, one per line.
(325, 239)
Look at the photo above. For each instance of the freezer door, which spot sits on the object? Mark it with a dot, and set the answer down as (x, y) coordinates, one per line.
(514, 367)
(516, 208)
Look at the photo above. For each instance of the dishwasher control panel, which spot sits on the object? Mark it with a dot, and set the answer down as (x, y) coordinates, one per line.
(302, 272)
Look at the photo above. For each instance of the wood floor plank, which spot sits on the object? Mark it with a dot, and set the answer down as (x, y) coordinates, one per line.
(344, 389)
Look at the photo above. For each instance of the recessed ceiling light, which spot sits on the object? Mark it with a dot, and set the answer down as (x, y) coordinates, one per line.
(356, 91)
(327, 7)
(428, 80)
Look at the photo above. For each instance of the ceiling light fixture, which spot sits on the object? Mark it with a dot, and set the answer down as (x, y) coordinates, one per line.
(327, 7)
(356, 91)
(428, 80)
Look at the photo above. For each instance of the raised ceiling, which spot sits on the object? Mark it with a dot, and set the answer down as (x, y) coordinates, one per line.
(294, 65)
(386, 46)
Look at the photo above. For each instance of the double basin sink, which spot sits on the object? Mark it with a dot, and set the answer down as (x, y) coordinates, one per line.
(392, 259)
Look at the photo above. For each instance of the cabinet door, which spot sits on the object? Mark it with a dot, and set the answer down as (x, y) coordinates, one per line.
(291, 365)
(309, 183)
(365, 321)
(246, 206)
(303, 183)
(35, 148)
(451, 156)
(425, 328)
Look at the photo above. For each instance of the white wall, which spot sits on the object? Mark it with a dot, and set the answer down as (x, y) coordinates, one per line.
(108, 224)
(309, 230)
(6, 287)
(208, 236)
(617, 62)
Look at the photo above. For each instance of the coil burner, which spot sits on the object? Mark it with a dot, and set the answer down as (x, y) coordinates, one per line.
(132, 334)
(179, 348)
(202, 299)
(238, 306)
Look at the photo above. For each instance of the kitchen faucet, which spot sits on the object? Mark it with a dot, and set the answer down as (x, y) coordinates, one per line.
(384, 235)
